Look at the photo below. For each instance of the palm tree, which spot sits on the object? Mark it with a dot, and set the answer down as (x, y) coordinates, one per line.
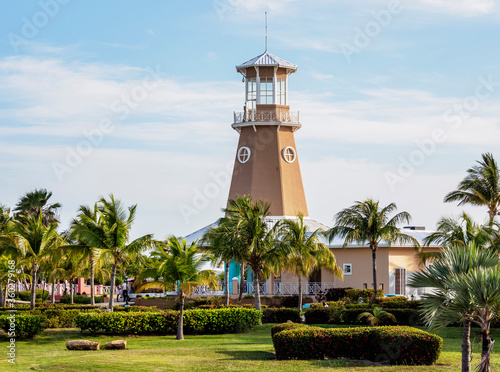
(110, 234)
(458, 232)
(178, 264)
(366, 223)
(308, 253)
(91, 254)
(34, 240)
(377, 316)
(35, 202)
(4, 217)
(6, 265)
(260, 248)
(454, 261)
(223, 244)
(479, 289)
(480, 187)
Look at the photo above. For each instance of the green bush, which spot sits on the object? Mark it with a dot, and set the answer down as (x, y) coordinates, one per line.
(229, 320)
(79, 299)
(285, 326)
(356, 295)
(201, 301)
(26, 295)
(395, 345)
(57, 316)
(136, 309)
(322, 315)
(331, 315)
(281, 315)
(23, 326)
(248, 297)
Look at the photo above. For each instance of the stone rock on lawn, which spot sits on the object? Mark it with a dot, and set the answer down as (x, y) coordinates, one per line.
(115, 345)
(82, 345)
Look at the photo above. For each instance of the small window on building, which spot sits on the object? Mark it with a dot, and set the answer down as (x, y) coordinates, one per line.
(381, 286)
(348, 269)
(266, 91)
(243, 154)
(365, 285)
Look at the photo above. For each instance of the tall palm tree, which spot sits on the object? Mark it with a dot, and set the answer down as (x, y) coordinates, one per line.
(260, 247)
(454, 261)
(178, 264)
(222, 243)
(34, 240)
(35, 202)
(110, 233)
(308, 254)
(367, 223)
(87, 218)
(480, 187)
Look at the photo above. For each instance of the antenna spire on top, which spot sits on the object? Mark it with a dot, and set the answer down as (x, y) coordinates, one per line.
(266, 31)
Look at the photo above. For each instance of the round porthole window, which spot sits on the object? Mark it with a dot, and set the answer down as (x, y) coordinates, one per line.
(243, 154)
(289, 154)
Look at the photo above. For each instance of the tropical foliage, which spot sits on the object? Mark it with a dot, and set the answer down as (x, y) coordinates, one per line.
(368, 223)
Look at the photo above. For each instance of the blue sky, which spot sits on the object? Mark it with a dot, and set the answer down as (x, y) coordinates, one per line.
(397, 99)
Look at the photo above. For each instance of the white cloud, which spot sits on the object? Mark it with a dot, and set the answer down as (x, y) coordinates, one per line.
(465, 8)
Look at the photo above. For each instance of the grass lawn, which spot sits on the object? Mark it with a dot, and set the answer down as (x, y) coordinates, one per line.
(251, 351)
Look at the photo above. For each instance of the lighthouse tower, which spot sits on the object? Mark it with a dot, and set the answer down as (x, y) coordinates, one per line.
(267, 164)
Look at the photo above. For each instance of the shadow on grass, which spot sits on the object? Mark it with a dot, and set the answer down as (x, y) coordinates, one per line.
(248, 355)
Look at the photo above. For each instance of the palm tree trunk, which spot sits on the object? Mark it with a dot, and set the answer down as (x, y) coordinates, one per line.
(112, 288)
(300, 293)
(257, 290)
(484, 366)
(6, 296)
(2, 301)
(374, 262)
(53, 298)
(92, 299)
(34, 280)
(226, 279)
(242, 281)
(71, 300)
(466, 347)
(180, 326)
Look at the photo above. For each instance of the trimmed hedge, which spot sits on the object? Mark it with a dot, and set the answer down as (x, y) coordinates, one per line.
(79, 299)
(23, 326)
(281, 315)
(136, 309)
(395, 345)
(230, 320)
(330, 315)
(26, 295)
(285, 327)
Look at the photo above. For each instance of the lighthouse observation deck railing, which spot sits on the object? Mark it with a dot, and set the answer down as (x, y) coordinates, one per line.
(273, 115)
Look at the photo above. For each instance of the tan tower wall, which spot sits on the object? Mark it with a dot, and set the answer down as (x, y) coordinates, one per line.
(266, 175)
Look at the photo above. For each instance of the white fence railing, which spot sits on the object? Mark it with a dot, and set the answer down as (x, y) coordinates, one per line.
(259, 115)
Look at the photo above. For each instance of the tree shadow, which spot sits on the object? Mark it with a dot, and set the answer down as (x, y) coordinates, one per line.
(248, 355)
